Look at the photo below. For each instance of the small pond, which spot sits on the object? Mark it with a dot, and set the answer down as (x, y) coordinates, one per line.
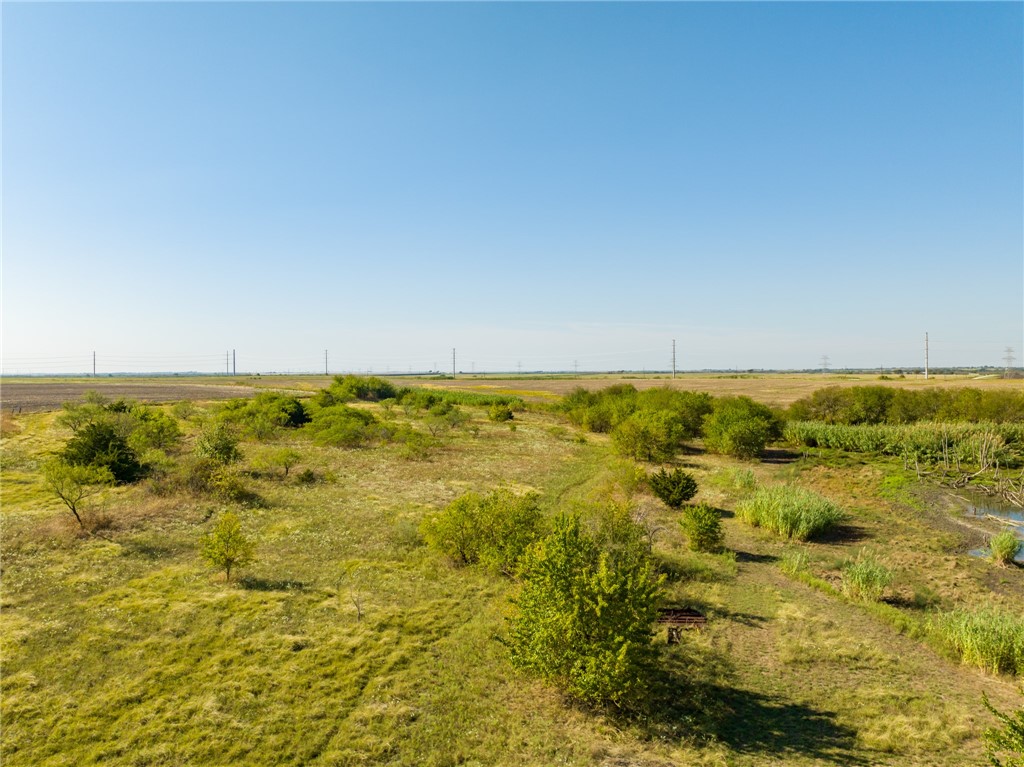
(987, 506)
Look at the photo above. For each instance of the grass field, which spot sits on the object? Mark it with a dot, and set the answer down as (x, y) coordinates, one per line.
(350, 642)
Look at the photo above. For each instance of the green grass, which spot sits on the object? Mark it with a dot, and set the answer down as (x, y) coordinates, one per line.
(790, 512)
(348, 641)
(1004, 547)
(989, 639)
(866, 578)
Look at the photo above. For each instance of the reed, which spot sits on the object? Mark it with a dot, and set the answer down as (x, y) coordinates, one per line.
(989, 639)
(791, 512)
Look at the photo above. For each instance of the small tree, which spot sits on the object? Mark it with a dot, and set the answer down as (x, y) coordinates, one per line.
(72, 484)
(703, 527)
(98, 444)
(286, 457)
(1008, 738)
(226, 547)
(674, 488)
(583, 616)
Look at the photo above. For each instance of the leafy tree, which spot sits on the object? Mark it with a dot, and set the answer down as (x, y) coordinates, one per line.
(286, 457)
(583, 616)
(226, 547)
(1009, 738)
(674, 488)
(72, 483)
(99, 444)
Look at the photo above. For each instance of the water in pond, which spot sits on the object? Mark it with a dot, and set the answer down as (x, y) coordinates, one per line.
(988, 507)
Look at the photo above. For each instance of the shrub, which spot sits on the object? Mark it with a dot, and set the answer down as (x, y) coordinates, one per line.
(342, 426)
(218, 443)
(789, 511)
(347, 388)
(583, 616)
(499, 412)
(986, 638)
(492, 530)
(647, 436)
(866, 579)
(266, 414)
(226, 547)
(98, 444)
(703, 527)
(1008, 737)
(740, 427)
(1004, 547)
(674, 488)
(155, 430)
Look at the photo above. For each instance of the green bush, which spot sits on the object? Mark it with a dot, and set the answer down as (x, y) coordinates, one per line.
(703, 527)
(647, 436)
(350, 387)
(740, 427)
(342, 426)
(98, 444)
(791, 512)
(674, 488)
(582, 618)
(264, 415)
(493, 530)
(218, 443)
(499, 412)
(866, 579)
(1004, 547)
(986, 638)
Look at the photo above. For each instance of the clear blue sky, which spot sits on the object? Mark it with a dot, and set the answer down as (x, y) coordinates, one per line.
(532, 184)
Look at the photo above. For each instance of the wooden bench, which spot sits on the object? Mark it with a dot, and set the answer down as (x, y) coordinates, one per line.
(678, 619)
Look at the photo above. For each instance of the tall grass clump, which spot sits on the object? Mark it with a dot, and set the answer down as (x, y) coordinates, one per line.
(986, 638)
(1004, 547)
(791, 512)
(866, 579)
(703, 527)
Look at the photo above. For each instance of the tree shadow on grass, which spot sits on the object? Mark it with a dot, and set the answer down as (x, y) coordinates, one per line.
(689, 694)
(760, 559)
(842, 533)
(266, 584)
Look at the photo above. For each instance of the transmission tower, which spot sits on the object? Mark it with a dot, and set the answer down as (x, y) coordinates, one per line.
(824, 363)
(1008, 358)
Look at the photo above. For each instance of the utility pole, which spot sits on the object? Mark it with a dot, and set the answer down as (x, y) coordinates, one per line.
(227, 362)
(453, 363)
(325, 363)
(926, 356)
(576, 367)
(234, 363)
(94, 364)
(673, 358)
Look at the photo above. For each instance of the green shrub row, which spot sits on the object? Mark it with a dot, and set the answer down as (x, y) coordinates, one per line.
(881, 404)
